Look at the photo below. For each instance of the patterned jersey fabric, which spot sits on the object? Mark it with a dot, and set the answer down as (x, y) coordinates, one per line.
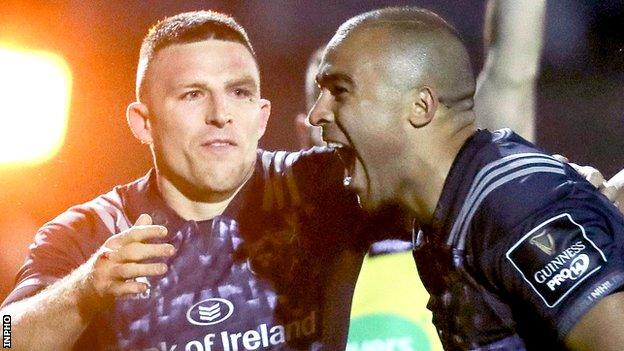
(253, 278)
(519, 249)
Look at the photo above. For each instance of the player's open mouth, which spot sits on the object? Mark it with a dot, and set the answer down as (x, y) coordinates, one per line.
(348, 157)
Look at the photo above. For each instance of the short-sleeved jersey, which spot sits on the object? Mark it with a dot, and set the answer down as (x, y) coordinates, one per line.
(519, 249)
(253, 278)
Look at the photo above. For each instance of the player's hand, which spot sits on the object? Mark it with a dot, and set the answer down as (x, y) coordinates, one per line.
(595, 177)
(617, 182)
(121, 259)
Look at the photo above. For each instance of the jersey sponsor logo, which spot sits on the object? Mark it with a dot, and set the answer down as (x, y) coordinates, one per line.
(577, 268)
(544, 242)
(571, 257)
(557, 266)
(263, 337)
(210, 311)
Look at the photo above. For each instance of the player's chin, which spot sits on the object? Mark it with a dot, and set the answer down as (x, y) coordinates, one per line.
(221, 179)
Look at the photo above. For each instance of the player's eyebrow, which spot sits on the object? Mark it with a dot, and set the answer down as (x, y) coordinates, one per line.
(246, 80)
(325, 79)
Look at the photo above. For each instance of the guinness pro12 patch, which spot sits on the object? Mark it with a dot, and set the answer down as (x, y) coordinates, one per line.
(555, 257)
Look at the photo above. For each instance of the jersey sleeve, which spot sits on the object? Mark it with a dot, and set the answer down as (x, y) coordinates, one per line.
(556, 253)
(311, 181)
(59, 247)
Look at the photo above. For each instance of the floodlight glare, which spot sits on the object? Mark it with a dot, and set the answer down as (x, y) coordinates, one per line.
(35, 91)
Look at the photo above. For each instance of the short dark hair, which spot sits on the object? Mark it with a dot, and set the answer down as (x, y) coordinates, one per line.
(187, 27)
(441, 58)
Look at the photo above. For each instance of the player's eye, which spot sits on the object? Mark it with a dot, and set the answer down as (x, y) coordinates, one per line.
(243, 93)
(337, 90)
(192, 95)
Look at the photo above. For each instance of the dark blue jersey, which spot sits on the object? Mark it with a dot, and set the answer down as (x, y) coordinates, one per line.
(519, 249)
(256, 277)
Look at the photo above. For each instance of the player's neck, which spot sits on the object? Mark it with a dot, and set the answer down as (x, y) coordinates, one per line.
(191, 209)
(428, 176)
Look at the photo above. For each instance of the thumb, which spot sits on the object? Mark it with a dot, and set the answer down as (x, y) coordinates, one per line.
(144, 219)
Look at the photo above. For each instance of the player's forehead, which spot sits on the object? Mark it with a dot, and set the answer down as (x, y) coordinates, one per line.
(353, 62)
(206, 59)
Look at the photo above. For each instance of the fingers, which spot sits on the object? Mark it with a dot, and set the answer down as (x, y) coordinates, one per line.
(618, 180)
(137, 251)
(121, 288)
(144, 219)
(596, 179)
(578, 169)
(141, 233)
(133, 270)
(120, 259)
(591, 174)
(610, 191)
(561, 158)
(612, 188)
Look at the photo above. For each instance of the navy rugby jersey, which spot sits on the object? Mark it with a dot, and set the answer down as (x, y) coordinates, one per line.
(253, 278)
(520, 248)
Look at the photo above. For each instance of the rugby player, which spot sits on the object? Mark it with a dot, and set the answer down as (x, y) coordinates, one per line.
(516, 249)
(221, 246)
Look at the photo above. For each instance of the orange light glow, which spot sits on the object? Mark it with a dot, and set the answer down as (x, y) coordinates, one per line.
(35, 91)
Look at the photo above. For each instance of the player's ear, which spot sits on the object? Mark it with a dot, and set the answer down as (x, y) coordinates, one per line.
(424, 104)
(137, 115)
(265, 112)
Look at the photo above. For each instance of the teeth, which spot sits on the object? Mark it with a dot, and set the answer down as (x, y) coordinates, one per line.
(347, 181)
(335, 145)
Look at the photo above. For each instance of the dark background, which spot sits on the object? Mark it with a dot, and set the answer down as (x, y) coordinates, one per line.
(580, 91)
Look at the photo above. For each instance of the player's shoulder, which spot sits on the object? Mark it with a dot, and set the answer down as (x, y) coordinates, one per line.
(312, 170)
(104, 213)
(516, 179)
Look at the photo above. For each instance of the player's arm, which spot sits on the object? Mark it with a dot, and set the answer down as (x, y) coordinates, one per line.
(602, 328)
(566, 268)
(54, 318)
(505, 95)
(338, 296)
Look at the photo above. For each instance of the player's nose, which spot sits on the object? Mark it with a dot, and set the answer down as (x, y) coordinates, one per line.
(321, 112)
(218, 115)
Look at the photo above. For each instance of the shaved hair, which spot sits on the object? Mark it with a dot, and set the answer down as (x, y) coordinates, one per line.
(183, 28)
(423, 50)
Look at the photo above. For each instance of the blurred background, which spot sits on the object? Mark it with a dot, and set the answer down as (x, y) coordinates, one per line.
(580, 90)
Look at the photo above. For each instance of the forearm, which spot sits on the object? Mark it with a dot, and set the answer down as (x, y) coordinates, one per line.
(506, 86)
(601, 327)
(338, 296)
(54, 318)
(515, 44)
